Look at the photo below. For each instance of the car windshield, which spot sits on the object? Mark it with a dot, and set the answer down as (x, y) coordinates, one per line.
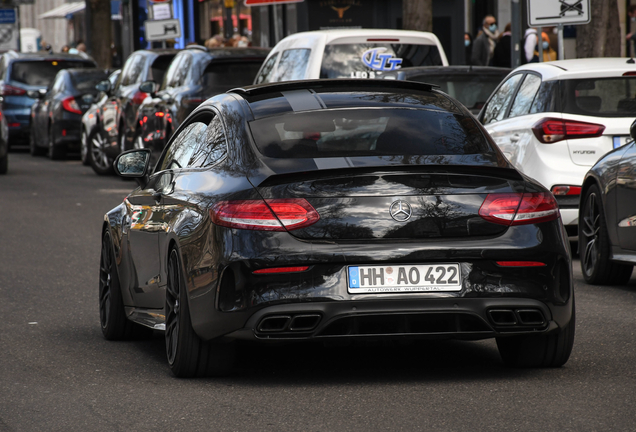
(42, 72)
(370, 60)
(600, 97)
(222, 76)
(368, 132)
(86, 82)
(472, 90)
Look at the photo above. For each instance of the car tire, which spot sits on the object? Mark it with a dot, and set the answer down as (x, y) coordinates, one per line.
(188, 355)
(539, 351)
(4, 164)
(56, 152)
(84, 151)
(115, 325)
(97, 157)
(33, 147)
(594, 244)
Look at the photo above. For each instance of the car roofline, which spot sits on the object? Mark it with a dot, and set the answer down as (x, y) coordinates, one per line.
(338, 83)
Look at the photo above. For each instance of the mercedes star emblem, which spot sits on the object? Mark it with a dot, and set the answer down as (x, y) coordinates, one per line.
(400, 211)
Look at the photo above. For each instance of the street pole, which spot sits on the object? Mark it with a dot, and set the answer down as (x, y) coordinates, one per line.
(516, 33)
(560, 42)
(540, 43)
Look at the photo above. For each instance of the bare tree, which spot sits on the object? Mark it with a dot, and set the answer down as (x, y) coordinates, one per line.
(98, 31)
(418, 15)
(602, 36)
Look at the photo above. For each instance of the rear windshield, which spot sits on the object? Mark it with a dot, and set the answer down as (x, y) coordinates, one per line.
(600, 97)
(368, 132)
(220, 77)
(86, 82)
(41, 73)
(159, 67)
(471, 90)
(371, 60)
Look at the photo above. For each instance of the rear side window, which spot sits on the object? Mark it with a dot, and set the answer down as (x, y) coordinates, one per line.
(42, 73)
(525, 96)
(86, 82)
(369, 60)
(368, 132)
(498, 104)
(292, 65)
(267, 70)
(159, 67)
(600, 97)
(222, 76)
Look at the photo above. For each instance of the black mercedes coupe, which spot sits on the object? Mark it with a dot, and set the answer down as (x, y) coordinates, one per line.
(330, 210)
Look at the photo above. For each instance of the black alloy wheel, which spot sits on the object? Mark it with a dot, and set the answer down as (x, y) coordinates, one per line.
(97, 156)
(56, 152)
(188, 355)
(594, 244)
(34, 149)
(112, 316)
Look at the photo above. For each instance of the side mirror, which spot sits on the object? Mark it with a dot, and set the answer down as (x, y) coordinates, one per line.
(632, 130)
(133, 164)
(104, 86)
(149, 87)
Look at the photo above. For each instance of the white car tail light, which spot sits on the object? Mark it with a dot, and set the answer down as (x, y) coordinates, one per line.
(551, 130)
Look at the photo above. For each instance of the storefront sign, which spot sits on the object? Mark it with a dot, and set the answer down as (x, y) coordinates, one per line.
(325, 14)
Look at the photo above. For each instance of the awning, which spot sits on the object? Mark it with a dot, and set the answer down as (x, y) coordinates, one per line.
(63, 11)
(68, 9)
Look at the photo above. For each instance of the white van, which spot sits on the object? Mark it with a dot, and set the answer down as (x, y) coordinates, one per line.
(349, 53)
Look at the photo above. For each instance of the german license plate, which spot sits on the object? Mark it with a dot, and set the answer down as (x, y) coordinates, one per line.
(621, 140)
(404, 278)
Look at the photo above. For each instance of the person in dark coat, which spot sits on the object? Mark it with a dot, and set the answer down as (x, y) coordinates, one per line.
(502, 57)
(484, 45)
(468, 46)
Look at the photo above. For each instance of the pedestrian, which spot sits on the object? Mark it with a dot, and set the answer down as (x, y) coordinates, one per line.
(502, 57)
(65, 48)
(484, 46)
(468, 48)
(530, 40)
(549, 54)
(81, 46)
(631, 36)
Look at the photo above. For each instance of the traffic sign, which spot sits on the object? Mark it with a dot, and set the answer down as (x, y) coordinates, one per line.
(269, 2)
(162, 30)
(7, 16)
(542, 13)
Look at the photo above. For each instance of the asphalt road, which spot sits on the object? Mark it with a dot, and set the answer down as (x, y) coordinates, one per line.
(57, 373)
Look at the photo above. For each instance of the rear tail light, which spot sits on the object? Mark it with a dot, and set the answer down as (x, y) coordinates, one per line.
(519, 209)
(551, 130)
(14, 125)
(268, 215)
(193, 101)
(139, 97)
(520, 264)
(9, 90)
(281, 270)
(70, 105)
(566, 190)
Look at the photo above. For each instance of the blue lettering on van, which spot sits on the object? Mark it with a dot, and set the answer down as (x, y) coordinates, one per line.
(381, 62)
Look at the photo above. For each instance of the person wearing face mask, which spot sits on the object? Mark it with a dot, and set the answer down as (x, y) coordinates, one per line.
(468, 47)
(485, 42)
(549, 54)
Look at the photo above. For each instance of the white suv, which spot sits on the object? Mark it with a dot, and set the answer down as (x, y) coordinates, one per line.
(554, 120)
(350, 53)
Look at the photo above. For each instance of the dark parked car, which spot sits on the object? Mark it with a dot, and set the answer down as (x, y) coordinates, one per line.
(330, 210)
(116, 122)
(194, 76)
(4, 144)
(471, 85)
(21, 72)
(607, 217)
(56, 117)
(90, 117)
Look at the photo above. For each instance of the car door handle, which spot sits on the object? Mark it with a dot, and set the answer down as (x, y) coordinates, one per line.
(515, 137)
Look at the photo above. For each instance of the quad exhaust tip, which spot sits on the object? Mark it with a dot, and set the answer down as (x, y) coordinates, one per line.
(517, 317)
(291, 323)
